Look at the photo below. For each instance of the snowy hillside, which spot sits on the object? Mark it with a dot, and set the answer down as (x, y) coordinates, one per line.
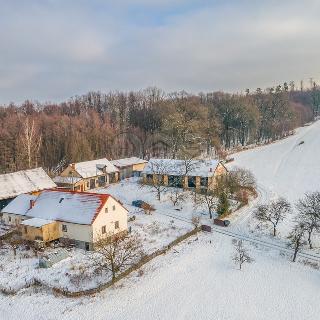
(198, 280)
(286, 168)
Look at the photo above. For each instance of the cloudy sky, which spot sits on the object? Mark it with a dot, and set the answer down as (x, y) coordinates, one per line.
(55, 49)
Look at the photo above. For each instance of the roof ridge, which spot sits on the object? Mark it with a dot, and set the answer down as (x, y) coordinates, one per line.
(78, 192)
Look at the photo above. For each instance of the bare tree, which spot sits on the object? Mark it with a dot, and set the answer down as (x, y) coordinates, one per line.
(297, 239)
(244, 178)
(241, 254)
(14, 243)
(206, 199)
(177, 196)
(30, 142)
(196, 220)
(116, 253)
(273, 213)
(309, 214)
(158, 169)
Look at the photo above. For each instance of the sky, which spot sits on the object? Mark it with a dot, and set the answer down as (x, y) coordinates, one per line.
(51, 50)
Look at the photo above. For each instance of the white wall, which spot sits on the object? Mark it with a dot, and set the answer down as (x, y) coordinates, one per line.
(76, 231)
(109, 218)
(15, 218)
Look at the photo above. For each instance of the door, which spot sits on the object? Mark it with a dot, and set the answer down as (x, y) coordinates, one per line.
(92, 183)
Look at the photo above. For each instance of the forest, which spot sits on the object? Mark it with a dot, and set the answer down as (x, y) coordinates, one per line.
(149, 123)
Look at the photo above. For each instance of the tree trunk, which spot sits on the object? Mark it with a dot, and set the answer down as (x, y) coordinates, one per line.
(274, 230)
(309, 239)
(296, 249)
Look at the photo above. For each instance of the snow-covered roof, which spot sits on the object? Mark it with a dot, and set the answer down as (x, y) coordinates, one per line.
(68, 206)
(172, 167)
(121, 163)
(36, 222)
(94, 168)
(13, 184)
(20, 205)
(66, 180)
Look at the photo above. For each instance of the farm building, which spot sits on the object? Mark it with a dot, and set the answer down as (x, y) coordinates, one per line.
(79, 217)
(193, 174)
(130, 167)
(27, 181)
(83, 176)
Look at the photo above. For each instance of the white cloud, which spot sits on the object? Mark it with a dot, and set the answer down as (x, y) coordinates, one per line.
(55, 49)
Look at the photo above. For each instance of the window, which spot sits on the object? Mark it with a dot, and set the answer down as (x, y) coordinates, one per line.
(113, 208)
(106, 209)
(9, 219)
(204, 182)
(38, 238)
(116, 225)
(103, 229)
(64, 228)
(25, 230)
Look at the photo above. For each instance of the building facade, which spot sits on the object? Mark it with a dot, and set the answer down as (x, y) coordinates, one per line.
(129, 167)
(79, 217)
(193, 174)
(83, 176)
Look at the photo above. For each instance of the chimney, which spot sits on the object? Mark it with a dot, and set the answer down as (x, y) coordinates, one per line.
(31, 204)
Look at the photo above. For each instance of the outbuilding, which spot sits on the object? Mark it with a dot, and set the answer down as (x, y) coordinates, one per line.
(129, 167)
(187, 174)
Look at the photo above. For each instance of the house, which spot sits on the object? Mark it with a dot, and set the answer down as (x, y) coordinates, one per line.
(129, 167)
(83, 176)
(27, 181)
(194, 174)
(79, 217)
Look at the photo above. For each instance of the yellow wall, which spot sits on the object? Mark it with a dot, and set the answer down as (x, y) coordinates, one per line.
(48, 232)
(138, 167)
(69, 172)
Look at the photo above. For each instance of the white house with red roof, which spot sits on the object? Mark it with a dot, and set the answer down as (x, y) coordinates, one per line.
(81, 217)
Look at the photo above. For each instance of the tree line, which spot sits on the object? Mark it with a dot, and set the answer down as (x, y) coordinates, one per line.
(148, 123)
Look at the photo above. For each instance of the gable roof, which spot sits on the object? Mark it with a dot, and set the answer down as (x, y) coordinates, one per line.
(16, 183)
(20, 205)
(172, 167)
(68, 206)
(121, 163)
(94, 168)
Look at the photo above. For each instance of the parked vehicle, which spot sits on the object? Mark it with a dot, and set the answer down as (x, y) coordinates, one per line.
(206, 228)
(221, 223)
(137, 203)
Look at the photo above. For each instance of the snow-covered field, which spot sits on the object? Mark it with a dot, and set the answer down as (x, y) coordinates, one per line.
(198, 280)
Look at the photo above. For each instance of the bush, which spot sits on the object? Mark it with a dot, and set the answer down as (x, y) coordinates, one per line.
(223, 204)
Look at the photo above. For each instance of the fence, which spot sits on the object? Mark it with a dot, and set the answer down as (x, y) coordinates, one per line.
(124, 274)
